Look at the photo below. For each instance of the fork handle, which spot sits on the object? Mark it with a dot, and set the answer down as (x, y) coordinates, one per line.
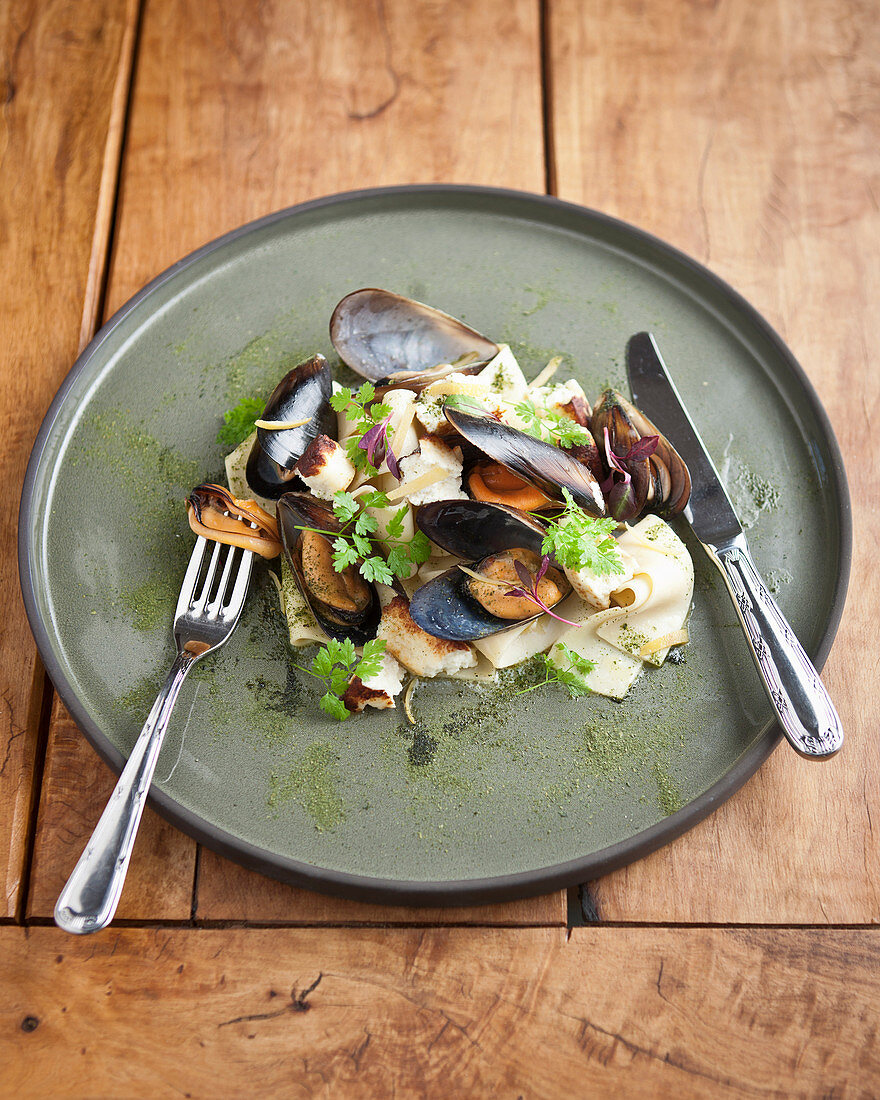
(89, 899)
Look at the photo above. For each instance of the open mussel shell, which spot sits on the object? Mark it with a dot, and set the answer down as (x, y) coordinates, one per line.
(539, 463)
(473, 530)
(344, 604)
(302, 394)
(660, 482)
(445, 608)
(379, 334)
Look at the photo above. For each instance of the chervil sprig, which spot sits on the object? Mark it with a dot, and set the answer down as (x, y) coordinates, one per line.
(336, 663)
(573, 676)
(369, 445)
(578, 541)
(354, 542)
(550, 426)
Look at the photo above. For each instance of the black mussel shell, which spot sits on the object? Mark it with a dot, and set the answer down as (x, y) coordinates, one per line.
(445, 608)
(296, 510)
(379, 333)
(303, 393)
(539, 463)
(475, 529)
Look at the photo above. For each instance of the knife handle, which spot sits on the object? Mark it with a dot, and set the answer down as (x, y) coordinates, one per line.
(802, 704)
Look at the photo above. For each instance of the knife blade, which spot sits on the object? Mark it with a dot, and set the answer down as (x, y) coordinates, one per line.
(801, 703)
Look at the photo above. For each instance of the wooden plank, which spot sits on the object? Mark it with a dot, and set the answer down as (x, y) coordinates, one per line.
(440, 1012)
(745, 135)
(228, 892)
(270, 106)
(63, 65)
(267, 108)
(78, 787)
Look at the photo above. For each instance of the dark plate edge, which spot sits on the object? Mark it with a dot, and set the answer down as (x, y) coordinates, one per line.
(449, 892)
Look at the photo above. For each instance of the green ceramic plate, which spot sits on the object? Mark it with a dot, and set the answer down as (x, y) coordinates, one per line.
(492, 794)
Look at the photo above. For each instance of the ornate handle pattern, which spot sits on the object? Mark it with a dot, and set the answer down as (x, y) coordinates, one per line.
(88, 901)
(802, 704)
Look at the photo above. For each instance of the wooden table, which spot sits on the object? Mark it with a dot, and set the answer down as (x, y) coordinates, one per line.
(743, 958)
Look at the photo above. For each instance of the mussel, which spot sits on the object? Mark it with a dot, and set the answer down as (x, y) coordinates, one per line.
(344, 604)
(394, 340)
(643, 471)
(216, 514)
(464, 606)
(303, 394)
(530, 459)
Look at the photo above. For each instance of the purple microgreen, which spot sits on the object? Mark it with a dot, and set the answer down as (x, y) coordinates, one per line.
(621, 500)
(524, 575)
(643, 448)
(529, 591)
(393, 467)
(614, 460)
(374, 442)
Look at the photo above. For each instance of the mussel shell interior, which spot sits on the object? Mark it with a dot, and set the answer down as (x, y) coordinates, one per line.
(539, 463)
(297, 510)
(377, 332)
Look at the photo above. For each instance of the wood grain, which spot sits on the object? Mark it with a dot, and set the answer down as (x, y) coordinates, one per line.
(240, 110)
(61, 64)
(747, 135)
(160, 879)
(227, 892)
(264, 107)
(441, 1012)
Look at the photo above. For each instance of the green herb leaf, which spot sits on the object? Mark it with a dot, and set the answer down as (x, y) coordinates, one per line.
(322, 664)
(331, 704)
(238, 423)
(375, 569)
(366, 524)
(376, 500)
(344, 554)
(579, 541)
(394, 527)
(336, 663)
(419, 547)
(341, 399)
(362, 545)
(550, 426)
(574, 677)
(345, 507)
(399, 561)
(371, 662)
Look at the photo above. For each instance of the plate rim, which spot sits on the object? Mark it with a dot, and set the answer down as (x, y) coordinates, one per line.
(443, 892)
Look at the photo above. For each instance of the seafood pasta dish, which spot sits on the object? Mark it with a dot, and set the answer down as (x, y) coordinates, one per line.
(448, 517)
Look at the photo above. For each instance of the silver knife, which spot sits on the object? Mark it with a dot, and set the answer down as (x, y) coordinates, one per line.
(799, 698)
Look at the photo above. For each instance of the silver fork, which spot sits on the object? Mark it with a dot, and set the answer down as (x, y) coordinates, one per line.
(207, 613)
